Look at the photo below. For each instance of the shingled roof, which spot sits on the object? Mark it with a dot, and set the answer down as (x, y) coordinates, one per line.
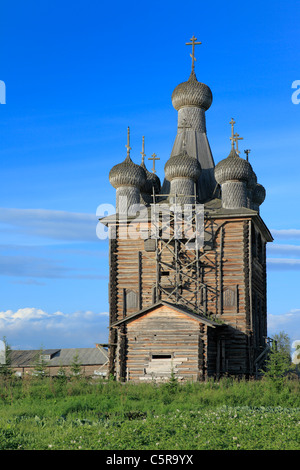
(59, 357)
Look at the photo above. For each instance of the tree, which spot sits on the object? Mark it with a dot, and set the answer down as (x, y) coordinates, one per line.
(283, 343)
(40, 364)
(76, 366)
(278, 363)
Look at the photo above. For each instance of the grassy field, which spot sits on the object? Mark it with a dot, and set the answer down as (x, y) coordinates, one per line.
(44, 414)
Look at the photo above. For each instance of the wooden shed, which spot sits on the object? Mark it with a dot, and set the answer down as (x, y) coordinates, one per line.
(164, 339)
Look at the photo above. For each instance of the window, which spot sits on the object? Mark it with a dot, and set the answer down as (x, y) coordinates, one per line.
(161, 356)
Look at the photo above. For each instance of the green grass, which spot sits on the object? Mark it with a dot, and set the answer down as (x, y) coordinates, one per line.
(230, 414)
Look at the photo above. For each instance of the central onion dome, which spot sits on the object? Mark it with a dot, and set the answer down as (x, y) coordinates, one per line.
(233, 168)
(192, 93)
(182, 166)
(127, 173)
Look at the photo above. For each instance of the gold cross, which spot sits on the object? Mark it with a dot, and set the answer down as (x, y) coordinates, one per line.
(232, 122)
(143, 150)
(153, 159)
(128, 142)
(236, 139)
(193, 43)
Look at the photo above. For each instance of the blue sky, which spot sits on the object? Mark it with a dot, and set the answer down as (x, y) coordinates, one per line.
(76, 75)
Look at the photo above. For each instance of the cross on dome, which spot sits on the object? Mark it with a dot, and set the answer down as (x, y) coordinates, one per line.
(143, 150)
(193, 43)
(153, 159)
(232, 123)
(128, 142)
(247, 154)
(236, 139)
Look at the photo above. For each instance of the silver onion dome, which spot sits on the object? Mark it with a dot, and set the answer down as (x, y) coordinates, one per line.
(252, 182)
(127, 173)
(192, 93)
(182, 166)
(259, 194)
(233, 168)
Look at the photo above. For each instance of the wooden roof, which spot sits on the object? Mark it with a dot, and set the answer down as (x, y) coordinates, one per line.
(178, 308)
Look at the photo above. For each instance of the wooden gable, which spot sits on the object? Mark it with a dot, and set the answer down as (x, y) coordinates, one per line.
(165, 339)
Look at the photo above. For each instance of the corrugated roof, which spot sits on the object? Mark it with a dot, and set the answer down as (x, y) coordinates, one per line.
(60, 357)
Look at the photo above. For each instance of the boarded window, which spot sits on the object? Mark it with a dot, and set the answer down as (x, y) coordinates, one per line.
(131, 299)
(230, 298)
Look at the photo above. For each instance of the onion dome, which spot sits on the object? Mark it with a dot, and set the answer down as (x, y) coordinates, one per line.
(252, 181)
(258, 195)
(127, 173)
(152, 181)
(233, 168)
(182, 166)
(192, 93)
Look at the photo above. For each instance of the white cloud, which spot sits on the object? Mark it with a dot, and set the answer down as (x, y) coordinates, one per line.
(276, 249)
(286, 234)
(48, 224)
(40, 267)
(283, 264)
(288, 322)
(29, 328)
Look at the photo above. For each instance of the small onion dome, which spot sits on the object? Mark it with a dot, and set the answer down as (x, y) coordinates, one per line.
(152, 181)
(252, 181)
(233, 168)
(182, 166)
(259, 194)
(127, 173)
(192, 93)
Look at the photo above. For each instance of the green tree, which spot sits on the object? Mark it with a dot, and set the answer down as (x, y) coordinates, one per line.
(283, 343)
(61, 375)
(278, 363)
(40, 364)
(76, 367)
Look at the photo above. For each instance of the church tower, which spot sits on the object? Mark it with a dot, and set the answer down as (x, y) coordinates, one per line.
(187, 288)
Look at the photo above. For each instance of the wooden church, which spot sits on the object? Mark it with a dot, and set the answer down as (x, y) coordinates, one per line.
(187, 293)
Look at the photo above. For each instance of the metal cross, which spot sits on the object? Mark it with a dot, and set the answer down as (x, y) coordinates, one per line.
(143, 150)
(128, 142)
(232, 122)
(193, 43)
(236, 139)
(247, 153)
(153, 159)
